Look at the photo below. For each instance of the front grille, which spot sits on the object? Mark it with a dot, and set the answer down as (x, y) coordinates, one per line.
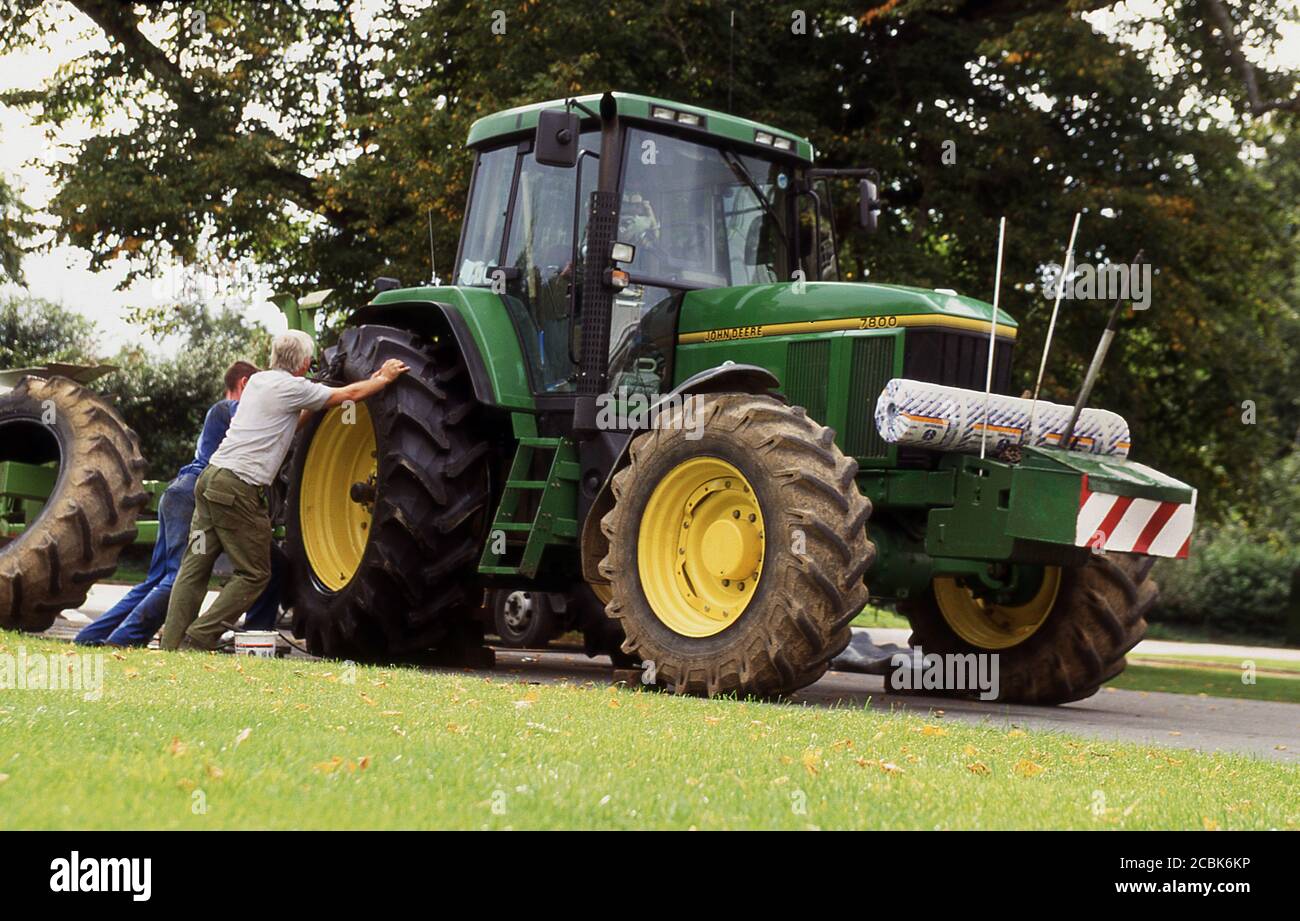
(871, 367)
(955, 359)
(807, 371)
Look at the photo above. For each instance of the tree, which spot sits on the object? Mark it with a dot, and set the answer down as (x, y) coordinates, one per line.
(319, 140)
(165, 397)
(34, 332)
(16, 228)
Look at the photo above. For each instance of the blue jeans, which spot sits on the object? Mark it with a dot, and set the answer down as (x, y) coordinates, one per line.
(136, 618)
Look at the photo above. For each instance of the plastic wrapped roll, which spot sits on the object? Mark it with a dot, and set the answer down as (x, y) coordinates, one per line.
(952, 419)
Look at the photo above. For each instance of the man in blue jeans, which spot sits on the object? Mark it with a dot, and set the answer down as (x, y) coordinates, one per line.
(136, 618)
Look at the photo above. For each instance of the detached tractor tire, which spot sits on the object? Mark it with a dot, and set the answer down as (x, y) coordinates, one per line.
(88, 517)
(1062, 644)
(388, 505)
(523, 619)
(736, 559)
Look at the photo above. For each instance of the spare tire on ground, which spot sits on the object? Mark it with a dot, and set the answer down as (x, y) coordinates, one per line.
(90, 514)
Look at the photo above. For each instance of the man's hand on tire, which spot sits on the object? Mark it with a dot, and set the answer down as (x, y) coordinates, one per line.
(391, 370)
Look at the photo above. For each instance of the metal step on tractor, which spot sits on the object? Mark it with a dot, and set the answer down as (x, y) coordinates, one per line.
(647, 385)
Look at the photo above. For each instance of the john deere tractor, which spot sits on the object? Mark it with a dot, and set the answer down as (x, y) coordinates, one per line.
(620, 253)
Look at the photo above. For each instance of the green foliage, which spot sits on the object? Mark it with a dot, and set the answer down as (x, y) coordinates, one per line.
(1238, 578)
(16, 228)
(316, 141)
(34, 332)
(164, 398)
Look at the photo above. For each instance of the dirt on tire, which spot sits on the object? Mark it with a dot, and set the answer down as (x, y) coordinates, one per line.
(417, 578)
(91, 513)
(816, 550)
(1099, 615)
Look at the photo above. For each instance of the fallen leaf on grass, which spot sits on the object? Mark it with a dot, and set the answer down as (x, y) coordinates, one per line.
(978, 767)
(1026, 768)
(1015, 733)
(3, 777)
(931, 730)
(242, 737)
(177, 748)
(457, 728)
(812, 760)
(341, 764)
(1209, 824)
(887, 766)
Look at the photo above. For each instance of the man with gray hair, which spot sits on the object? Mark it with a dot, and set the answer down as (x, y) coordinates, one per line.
(230, 512)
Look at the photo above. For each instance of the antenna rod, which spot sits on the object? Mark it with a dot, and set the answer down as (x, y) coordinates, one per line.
(731, 56)
(993, 329)
(433, 271)
(1051, 326)
(1089, 379)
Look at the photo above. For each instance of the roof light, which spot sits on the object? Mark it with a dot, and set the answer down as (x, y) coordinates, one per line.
(762, 137)
(662, 112)
(689, 118)
(781, 143)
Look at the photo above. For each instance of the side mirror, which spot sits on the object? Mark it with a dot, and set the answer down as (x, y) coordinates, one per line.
(868, 205)
(556, 143)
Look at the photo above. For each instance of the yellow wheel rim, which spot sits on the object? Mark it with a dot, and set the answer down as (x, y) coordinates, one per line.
(335, 526)
(700, 547)
(988, 625)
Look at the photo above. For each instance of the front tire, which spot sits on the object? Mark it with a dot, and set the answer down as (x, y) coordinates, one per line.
(1096, 615)
(763, 603)
(386, 515)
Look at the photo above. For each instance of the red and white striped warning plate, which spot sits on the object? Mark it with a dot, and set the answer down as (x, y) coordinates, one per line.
(1129, 525)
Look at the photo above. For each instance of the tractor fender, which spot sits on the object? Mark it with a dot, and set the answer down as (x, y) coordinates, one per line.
(416, 316)
(725, 378)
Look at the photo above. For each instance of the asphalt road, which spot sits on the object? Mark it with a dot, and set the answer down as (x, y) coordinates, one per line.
(1261, 728)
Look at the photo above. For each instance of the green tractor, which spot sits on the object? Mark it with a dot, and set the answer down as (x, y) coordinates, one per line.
(647, 385)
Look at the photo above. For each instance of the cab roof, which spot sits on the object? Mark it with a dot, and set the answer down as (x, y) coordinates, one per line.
(632, 105)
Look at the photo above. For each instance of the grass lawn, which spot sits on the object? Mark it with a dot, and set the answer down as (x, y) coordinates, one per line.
(1212, 682)
(1195, 633)
(871, 616)
(201, 741)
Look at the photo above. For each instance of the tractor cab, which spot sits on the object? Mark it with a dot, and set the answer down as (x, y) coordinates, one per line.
(703, 201)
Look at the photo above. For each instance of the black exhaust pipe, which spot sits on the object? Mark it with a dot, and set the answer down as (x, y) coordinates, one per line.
(597, 296)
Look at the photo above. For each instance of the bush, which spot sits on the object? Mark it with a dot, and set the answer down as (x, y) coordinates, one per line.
(1238, 579)
(1233, 583)
(165, 398)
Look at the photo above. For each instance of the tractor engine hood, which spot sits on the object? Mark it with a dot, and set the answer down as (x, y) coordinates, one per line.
(791, 308)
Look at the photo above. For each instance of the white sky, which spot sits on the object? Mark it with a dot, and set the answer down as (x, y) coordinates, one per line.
(63, 274)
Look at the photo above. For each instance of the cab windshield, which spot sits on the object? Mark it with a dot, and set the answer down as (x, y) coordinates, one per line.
(702, 216)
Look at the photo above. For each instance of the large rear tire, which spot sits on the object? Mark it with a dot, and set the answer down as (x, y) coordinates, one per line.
(1097, 614)
(387, 514)
(758, 598)
(89, 516)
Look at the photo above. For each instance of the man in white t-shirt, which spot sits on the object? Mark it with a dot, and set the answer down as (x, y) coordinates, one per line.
(230, 513)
